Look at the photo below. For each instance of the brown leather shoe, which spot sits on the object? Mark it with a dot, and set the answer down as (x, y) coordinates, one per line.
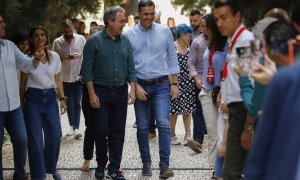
(195, 146)
(152, 136)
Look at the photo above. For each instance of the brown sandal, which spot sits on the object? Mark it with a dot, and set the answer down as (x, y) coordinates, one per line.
(86, 166)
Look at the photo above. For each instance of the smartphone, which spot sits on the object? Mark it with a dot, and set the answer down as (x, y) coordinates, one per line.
(293, 50)
(71, 56)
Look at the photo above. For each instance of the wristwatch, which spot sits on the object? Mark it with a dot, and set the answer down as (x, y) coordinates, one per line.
(174, 84)
(248, 126)
(63, 98)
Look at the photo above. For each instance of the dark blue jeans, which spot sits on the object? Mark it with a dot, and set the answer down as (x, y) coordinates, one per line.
(43, 127)
(73, 92)
(89, 139)
(13, 122)
(110, 122)
(198, 120)
(158, 96)
(152, 125)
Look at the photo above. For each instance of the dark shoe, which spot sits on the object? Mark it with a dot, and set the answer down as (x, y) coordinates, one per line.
(56, 176)
(147, 169)
(195, 146)
(165, 173)
(115, 175)
(99, 173)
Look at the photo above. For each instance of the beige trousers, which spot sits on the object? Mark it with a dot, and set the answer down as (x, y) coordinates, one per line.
(210, 114)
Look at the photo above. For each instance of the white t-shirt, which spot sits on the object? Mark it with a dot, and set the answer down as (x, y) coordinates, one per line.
(231, 85)
(43, 77)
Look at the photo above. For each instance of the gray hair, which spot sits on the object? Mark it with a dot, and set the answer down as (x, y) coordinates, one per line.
(110, 14)
(66, 23)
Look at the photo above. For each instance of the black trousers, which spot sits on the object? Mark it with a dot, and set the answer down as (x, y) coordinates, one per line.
(235, 154)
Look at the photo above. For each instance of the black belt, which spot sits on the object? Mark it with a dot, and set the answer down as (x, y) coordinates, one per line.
(111, 87)
(153, 81)
(234, 104)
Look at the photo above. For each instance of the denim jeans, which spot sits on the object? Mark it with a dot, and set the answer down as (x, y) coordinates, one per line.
(158, 95)
(73, 92)
(89, 138)
(219, 166)
(152, 125)
(13, 122)
(110, 122)
(198, 120)
(43, 127)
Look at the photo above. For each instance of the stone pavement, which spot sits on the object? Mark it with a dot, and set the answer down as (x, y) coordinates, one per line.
(187, 164)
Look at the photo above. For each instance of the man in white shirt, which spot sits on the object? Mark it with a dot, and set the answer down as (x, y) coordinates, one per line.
(11, 116)
(228, 20)
(69, 46)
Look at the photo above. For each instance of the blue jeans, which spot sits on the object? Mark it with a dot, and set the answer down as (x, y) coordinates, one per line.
(152, 125)
(43, 127)
(110, 122)
(158, 95)
(198, 120)
(73, 92)
(13, 122)
(219, 167)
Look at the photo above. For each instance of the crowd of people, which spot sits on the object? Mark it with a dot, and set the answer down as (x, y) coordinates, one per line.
(238, 86)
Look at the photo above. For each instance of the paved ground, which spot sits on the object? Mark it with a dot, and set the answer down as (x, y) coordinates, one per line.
(186, 163)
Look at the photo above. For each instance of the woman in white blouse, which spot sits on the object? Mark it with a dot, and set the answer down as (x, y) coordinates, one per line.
(38, 96)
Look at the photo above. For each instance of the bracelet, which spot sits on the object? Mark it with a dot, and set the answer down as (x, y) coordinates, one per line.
(174, 84)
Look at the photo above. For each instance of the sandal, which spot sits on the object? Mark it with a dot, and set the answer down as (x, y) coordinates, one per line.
(86, 166)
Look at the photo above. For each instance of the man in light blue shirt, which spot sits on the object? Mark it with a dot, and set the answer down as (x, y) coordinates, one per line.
(11, 116)
(155, 58)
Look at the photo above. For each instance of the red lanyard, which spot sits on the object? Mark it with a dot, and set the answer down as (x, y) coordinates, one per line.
(211, 54)
(224, 72)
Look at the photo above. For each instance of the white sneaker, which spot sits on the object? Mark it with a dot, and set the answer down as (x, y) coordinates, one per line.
(174, 140)
(70, 131)
(77, 134)
(186, 139)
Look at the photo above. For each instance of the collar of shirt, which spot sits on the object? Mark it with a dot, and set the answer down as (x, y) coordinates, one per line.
(63, 38)
(143, 29)
(105, 35)
(230, 39)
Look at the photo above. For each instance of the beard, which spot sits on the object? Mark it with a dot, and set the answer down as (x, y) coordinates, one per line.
(195, 27)
(68, 36)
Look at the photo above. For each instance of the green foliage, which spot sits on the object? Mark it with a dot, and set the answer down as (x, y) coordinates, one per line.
(25, 14)
(251, 10)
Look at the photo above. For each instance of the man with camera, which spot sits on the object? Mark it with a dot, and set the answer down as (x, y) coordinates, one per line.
(69, 46)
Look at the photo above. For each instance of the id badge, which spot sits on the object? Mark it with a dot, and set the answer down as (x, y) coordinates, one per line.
(210, 75)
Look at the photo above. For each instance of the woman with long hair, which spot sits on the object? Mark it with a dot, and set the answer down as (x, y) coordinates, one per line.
(42, 119)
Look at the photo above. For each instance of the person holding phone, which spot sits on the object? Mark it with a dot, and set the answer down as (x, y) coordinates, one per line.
(70, 46)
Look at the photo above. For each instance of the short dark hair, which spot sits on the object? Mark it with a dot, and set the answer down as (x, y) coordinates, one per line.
(276, 36)
(145, 3)
(94, 22)
(195, 12)
(232, 4)
(136, 17)
(19, 36)
(295, 16)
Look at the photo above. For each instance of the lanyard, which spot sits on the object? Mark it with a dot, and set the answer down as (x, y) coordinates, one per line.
(211, 54)
(224, 72)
